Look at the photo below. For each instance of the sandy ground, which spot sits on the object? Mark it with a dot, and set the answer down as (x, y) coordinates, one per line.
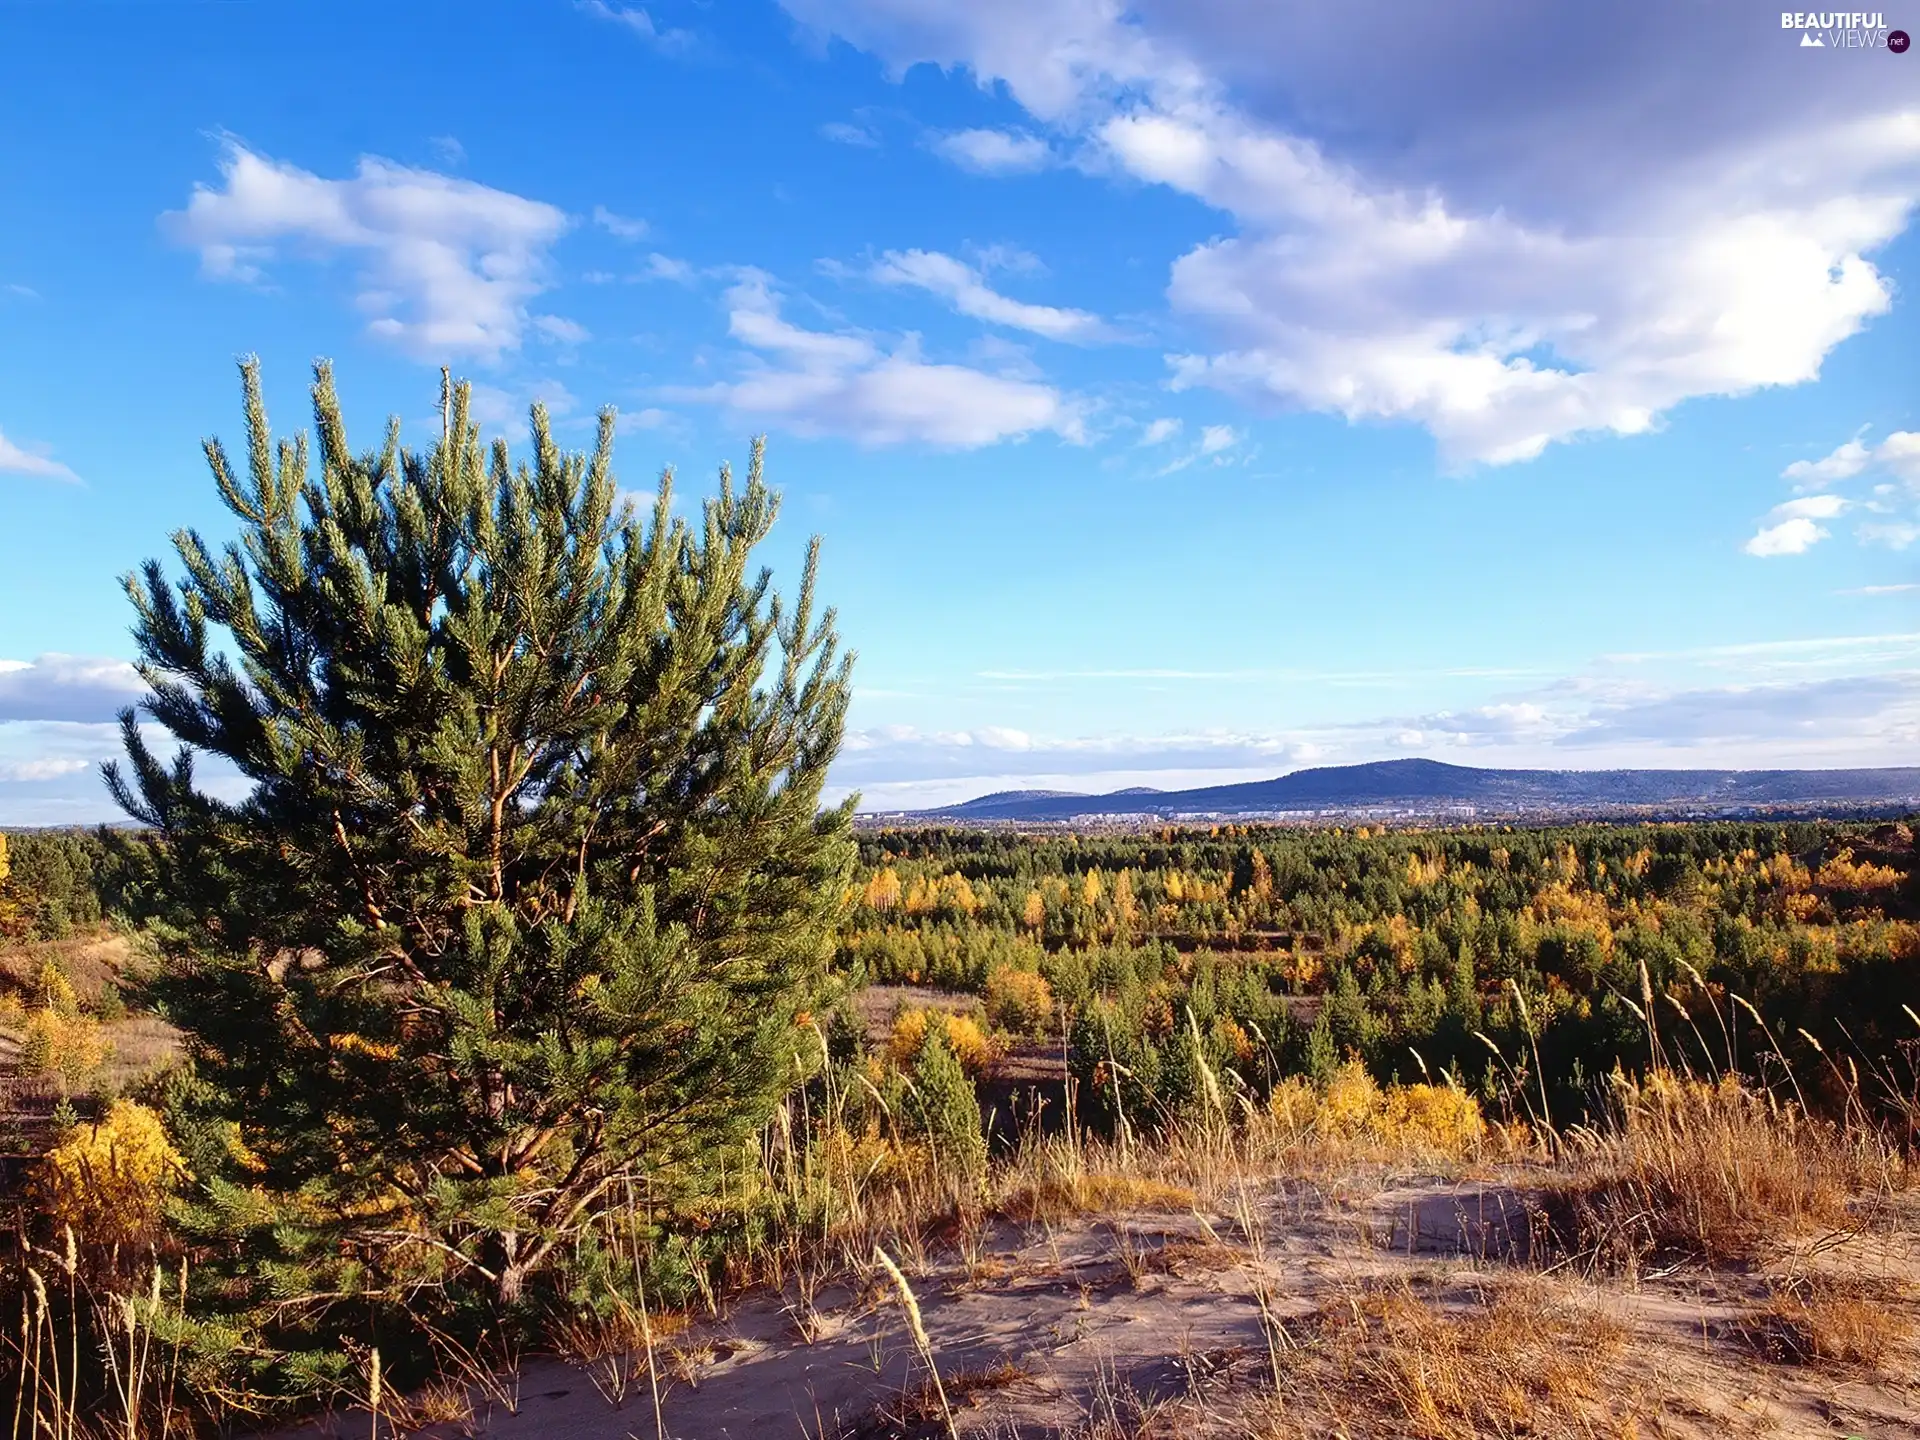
(1151, 1324)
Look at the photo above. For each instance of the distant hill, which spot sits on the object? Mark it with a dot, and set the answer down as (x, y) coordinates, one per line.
(1430, 788)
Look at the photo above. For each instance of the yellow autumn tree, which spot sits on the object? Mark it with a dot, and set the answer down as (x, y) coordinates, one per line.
(1034, 913)
(110, 1180)
(883, 891)
(1843, 872)
(1260, 884)
(1126, 909)
(1018, 1000)
(957, 894)
(965, 1038)
(1090, 889)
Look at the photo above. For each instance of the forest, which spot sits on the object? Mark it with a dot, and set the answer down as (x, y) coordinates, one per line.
(1522, 966)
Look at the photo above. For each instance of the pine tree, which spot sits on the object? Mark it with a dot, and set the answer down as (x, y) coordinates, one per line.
(943, 1107)
(530, 874)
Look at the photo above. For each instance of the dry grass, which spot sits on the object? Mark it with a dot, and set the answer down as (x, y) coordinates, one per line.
(920, 1407)
(1525, 1360)
(1832, 1323)
(1058, 1195)
(1687, 1170)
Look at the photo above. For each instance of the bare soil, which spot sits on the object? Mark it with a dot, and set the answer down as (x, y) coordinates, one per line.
(1363, 1308)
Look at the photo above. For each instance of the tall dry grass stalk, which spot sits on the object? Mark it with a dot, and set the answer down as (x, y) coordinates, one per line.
(1686, 1169)
(922, 1343)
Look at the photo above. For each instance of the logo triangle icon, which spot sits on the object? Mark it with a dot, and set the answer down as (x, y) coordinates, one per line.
(1812, 42)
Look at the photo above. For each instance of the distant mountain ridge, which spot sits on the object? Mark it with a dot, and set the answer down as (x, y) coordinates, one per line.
(1430, 787)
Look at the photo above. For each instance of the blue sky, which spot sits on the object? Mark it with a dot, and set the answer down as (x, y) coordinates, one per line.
(1186, 392)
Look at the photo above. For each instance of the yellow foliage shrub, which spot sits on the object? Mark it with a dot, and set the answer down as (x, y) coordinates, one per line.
(1293, 1104)
(1350, 1102)
(70, 1046)
(964, 1037)
(1434, 1117)
(1421, 1119)
(1019, 1000)
(109, 1180)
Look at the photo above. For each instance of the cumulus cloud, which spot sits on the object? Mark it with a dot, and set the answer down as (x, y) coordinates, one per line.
(1160, 431)
(1897, 455)
(963, 287)
(83, 688)
(16, 460)
(1793, 528)
(994, 152)
(820, 382)
(1511, 227)
(1843, 463)
(449, 265)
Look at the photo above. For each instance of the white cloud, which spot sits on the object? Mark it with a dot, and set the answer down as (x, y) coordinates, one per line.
(665, 267)
(1879, 590)
(842, 383)
(1215, 438)
(1843, 464)
(494, 408)
(1899, 455)
(1790, 529)
(621, 227)
(1789, 537)
(963, 287)
(566, 332)
(650, 418)
(640, 23)
(995, 152)
(83, 688)
(449, 265)
(1160, 431)
(843, 133)
(1845, 707)
(22, 292)
(17, 461)
(1510, 227)
(1217, 444)
(50, 768)
(1894, 534)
